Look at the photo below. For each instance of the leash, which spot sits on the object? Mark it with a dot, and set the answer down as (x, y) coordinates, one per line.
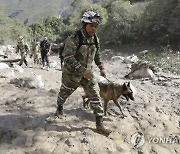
(111, 83)
(108, 80)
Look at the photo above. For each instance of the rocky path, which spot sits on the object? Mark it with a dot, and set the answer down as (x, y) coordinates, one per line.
(28, 124)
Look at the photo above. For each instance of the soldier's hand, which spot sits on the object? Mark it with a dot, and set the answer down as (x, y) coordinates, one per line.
(102, 72)
(88, 75)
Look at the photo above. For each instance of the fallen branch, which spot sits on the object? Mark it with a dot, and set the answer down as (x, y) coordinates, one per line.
(10, 60)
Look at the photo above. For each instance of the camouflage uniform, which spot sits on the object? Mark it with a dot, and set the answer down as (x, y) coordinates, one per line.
(23, 49)
(75, 63)
(36, 53)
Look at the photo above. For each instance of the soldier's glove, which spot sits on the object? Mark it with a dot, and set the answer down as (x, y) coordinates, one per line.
(102, 72)
(88, 75)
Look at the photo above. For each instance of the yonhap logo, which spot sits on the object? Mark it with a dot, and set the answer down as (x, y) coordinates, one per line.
(137, 139)
(172, 139)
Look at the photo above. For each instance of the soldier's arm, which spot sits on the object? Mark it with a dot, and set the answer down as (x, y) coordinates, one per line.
(17, 49)
(97, 59)
(27, 48)
(69, 55)
(49, 49)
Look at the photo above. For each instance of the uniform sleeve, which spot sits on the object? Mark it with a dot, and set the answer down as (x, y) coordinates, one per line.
(41, 44)
(97, 58)
(69, 55)
(50, 46)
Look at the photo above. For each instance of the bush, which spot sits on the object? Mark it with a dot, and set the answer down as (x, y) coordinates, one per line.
(167, 59)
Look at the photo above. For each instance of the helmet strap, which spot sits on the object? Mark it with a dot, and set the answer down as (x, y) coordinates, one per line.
(85, 32)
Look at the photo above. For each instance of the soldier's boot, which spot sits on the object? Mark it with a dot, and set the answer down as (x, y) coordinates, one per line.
(43, 66)
(100, 127)
(59, 111)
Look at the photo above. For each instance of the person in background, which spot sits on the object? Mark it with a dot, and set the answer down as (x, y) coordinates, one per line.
(61, 49)
(23, 49)
(36, 53)
(45, 51)
(77, 68)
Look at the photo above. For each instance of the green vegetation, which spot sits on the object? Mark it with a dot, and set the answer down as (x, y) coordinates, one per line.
(30, 11)
(10, 29)
(124, 22)
(166, 58)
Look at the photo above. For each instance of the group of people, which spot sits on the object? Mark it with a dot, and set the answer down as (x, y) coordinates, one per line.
(77, 66)
(40, 49)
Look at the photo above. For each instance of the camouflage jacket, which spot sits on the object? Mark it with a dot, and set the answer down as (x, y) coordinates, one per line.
(80, 60)
(22, 48)
(36, 50)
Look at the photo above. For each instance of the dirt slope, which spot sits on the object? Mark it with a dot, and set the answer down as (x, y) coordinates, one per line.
(28, 124)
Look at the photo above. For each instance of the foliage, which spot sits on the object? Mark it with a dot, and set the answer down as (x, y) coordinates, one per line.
(122, 22)
(161, 21)
(31, 11)
(52, 27)
(167, 59)
(11, 29)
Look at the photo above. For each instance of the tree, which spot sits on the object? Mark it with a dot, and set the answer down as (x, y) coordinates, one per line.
(119, 25)
(160, 19)
(10, 29)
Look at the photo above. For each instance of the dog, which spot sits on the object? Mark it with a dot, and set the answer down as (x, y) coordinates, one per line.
(112, 91)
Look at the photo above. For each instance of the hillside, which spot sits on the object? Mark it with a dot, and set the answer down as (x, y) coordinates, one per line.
(29, 11)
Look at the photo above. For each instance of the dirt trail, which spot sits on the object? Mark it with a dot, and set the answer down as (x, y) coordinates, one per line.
(28, 124)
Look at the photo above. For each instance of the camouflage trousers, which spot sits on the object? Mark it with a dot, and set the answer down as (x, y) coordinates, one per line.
(23, 59)
(70, 82)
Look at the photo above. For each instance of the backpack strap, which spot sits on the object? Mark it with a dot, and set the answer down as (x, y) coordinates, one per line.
(80, 35)
(96, 41)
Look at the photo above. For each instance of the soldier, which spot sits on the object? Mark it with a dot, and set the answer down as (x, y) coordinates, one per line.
(61, 49)
(77, 69)
(23, 48)
(45, 51)
(36, 53)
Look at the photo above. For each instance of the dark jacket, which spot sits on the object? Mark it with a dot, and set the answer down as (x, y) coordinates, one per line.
(45, 46)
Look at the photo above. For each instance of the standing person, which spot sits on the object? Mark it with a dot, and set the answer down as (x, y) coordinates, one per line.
(36, 53)
(61, 49)
(77, 69)
(45, 51)
(23, 49)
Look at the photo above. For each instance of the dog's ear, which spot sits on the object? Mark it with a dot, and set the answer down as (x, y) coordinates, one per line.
(124, 86)
(128, 84)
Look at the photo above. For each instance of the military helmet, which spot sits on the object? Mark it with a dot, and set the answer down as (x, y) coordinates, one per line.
(20, 37)
(91, 17)
(61, 44)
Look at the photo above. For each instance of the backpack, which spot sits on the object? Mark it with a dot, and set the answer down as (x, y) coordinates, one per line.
(80, 36)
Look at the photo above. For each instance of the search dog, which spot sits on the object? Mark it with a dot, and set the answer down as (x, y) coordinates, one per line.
(112, 91)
